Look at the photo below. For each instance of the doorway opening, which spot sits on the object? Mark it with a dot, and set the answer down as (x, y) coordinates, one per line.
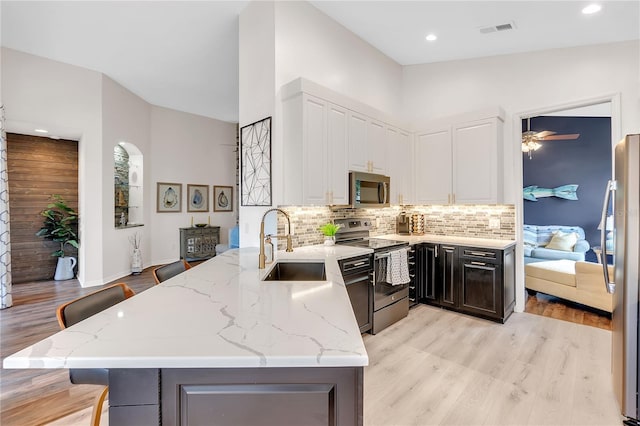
(563, 181)
(37, 168)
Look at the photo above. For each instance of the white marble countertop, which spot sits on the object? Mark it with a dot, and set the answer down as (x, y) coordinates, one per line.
(445, 239)
(218, 314)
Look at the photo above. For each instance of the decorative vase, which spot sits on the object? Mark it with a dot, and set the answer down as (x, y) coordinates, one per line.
(136, 261)
(329, 240)
(64, 268)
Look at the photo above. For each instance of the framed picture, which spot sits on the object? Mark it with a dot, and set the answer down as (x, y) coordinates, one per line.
(197, 198)
(222, 198)
(169, 197)
(255, 163)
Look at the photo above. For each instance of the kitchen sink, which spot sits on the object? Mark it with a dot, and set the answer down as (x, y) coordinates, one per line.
(297, 271)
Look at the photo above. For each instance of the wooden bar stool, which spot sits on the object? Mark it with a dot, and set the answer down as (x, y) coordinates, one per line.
(170, 270)
(79, 309)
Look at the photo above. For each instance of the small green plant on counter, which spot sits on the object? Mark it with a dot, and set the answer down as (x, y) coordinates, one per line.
(60, 224)
(329, 229)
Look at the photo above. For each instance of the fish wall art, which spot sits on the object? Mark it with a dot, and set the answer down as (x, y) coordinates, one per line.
(567, 192)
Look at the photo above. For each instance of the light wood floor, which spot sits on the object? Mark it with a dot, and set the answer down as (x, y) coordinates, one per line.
(434, 367)
(441, 368)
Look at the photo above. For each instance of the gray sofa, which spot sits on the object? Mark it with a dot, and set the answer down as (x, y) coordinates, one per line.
(536, 237)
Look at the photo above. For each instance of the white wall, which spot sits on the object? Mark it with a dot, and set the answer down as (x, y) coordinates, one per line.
(257, 97)
(187, 149)
(309, 44)
(66, 100)
(125, 117)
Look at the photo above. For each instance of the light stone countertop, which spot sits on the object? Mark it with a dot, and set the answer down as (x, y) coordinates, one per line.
(444, 239)
(218, 314)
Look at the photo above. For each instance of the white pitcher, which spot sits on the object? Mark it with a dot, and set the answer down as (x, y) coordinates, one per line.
(64, 269)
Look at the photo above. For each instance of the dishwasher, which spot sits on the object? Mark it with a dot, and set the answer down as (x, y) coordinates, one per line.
(357, 273)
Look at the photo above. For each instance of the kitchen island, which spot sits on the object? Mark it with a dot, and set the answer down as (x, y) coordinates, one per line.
(218, 341)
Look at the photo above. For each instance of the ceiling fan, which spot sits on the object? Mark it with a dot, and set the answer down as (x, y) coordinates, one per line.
(531, 140)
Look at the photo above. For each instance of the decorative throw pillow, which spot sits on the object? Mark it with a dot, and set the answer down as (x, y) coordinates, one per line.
(563, 241)
(530, 238)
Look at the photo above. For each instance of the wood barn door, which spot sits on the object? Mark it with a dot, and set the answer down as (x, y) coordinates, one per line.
(37, 167)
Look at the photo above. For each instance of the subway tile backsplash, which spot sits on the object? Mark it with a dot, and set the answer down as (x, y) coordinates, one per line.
(462, 221)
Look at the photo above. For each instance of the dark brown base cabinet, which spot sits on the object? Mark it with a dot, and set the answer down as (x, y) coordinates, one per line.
(475, 281)
(236, 396)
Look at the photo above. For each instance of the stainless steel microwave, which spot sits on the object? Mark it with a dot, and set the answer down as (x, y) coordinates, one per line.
(369, 190)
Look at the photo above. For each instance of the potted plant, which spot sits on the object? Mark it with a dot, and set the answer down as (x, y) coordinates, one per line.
(329, 231)
(60, 224)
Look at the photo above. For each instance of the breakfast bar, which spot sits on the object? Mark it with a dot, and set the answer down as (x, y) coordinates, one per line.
(218, 340)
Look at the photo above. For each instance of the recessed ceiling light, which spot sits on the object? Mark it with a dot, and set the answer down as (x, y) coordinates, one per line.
(592, 8)
(40, 131)
(431, 37)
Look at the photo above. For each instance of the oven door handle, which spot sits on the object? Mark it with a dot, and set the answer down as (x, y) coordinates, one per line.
(377, 256)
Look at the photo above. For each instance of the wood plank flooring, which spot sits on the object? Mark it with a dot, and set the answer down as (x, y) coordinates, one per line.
(434, 367)
(553, 307)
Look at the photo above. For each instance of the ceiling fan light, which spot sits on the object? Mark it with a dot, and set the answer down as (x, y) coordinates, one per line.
(531, 145)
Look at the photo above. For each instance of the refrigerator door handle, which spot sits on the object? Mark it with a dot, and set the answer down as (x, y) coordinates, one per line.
(609, 285)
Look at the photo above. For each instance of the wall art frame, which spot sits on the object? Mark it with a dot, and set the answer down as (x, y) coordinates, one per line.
(169, 197)
(197, 198)
(255, 164)
(222, 198)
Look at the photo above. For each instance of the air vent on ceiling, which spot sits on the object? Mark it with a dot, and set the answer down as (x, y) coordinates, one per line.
(501, 27)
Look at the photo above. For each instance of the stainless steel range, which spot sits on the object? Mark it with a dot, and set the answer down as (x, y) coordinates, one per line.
(390, 301)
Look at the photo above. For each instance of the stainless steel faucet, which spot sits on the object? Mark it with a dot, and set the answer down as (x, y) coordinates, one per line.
(262, 257)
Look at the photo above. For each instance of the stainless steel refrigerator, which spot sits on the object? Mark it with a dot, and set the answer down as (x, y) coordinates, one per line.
(622, 200)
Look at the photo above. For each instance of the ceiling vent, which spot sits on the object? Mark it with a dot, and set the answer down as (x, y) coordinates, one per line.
(501, 27)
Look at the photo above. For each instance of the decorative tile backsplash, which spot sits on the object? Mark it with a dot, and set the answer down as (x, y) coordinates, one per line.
(461, 221)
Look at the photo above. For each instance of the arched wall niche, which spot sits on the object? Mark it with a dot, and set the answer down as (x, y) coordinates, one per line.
(128, 185)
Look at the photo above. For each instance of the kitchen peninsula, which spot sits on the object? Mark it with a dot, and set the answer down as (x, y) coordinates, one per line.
(216, 340)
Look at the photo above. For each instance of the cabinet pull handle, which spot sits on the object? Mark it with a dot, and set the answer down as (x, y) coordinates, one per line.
(359, 263)
(480, 253)
(479, 263)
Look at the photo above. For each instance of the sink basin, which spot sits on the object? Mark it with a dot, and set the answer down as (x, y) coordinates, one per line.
(297, 271)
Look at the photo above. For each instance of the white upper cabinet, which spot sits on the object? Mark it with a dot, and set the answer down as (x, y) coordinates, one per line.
(367, 144)
(377, 147)
(460, 163)
(433, 165)
(358, 149)
(477, 166)
(400, 155)
(337, 169)
(315, 152)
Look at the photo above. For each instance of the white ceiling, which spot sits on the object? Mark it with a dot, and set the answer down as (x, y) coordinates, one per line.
(184, 55)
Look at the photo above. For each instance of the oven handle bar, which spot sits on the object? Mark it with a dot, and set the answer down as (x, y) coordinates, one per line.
(377, 256)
